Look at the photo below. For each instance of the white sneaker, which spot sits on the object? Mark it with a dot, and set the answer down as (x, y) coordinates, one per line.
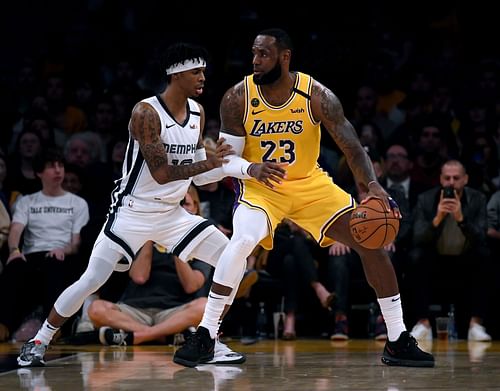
(421, 332)
(224, 355)
(478, 333)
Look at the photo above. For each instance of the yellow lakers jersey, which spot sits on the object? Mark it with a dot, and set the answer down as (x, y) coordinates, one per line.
(282, 134)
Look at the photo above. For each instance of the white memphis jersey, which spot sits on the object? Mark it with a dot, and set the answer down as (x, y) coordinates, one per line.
(180, 141)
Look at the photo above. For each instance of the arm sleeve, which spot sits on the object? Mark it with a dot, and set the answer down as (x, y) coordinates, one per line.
(237, 167)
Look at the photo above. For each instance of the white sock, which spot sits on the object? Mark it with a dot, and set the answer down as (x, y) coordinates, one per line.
(218, 327)
(393, 316)
(213, 311)
(46, 333)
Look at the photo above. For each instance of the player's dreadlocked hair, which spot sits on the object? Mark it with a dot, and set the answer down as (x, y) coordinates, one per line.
(283, 40)
(180, 52)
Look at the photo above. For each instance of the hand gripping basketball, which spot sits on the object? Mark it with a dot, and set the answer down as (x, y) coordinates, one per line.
(372, 226)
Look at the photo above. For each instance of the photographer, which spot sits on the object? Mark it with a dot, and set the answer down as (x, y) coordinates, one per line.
(450, 253)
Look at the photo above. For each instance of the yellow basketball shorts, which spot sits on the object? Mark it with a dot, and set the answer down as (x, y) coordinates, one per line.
(314, 203)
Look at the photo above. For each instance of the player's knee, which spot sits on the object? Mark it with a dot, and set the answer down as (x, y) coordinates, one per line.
(243, 245)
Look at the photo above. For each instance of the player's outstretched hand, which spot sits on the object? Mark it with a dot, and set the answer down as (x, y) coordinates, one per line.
(268, 172)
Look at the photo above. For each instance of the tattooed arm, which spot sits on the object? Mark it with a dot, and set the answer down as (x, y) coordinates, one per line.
(232, 110)
(327, 108)
(145, 128)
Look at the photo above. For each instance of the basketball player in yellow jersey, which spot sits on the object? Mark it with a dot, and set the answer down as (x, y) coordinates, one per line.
(272, 120)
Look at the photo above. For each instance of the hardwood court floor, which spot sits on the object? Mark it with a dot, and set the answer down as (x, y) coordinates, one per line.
(271, 365)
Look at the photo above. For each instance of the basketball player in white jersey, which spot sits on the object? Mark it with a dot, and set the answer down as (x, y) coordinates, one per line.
(165, 152)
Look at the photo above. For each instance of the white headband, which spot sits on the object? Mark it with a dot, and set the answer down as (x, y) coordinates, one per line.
(186, 65)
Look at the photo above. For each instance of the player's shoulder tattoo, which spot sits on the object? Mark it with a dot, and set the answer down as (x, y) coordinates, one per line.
(330, 106)
(232, 104)
(145, 122)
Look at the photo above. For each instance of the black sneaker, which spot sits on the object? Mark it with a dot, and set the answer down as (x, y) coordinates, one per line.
(405, 353)
(109, 336)
(198, 349)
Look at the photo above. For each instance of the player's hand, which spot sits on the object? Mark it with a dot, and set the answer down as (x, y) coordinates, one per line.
(268, 172)
(217, 159)
(375, 189)
(338, 248)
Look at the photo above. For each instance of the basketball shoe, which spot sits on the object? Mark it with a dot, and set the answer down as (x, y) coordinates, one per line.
(341, 330)
(198, 349)
(109, 336)
(32, 353)
(405, 353)
(223, 354)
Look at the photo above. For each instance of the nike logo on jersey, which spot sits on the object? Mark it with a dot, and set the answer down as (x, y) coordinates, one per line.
(169, 126)
(395, 299)
(257, 112)
(213, 297)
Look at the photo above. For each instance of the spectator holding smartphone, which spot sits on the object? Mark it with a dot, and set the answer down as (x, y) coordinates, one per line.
(450, 252)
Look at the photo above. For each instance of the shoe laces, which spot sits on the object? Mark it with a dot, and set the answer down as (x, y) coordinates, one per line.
(193, 339)
(410, 343)
(119, 338)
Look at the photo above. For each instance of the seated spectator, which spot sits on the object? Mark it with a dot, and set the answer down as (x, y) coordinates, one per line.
(493, 210)
(5, 214)
(450, 252)
(22, 178)
(291, 261)
(37, 268)
(161, 300)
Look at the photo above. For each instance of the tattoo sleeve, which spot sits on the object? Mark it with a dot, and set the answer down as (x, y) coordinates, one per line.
(328, 109)
(145, 128)
(232, 110)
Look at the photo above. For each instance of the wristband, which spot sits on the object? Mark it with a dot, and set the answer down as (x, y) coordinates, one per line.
(15, 249)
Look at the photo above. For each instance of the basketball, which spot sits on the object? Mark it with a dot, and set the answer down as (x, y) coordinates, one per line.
(372, 226)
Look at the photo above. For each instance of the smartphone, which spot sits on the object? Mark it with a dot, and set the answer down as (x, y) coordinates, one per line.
(448, 192)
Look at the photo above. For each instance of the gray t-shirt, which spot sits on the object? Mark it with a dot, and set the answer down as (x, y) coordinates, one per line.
(49, 221)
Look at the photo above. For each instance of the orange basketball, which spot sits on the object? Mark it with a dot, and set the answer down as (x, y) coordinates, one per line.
(372, 226)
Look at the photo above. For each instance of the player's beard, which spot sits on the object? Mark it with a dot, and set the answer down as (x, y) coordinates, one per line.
(268, 77)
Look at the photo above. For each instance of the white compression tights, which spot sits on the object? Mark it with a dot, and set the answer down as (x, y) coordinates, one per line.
(101, 265)
(249, 228)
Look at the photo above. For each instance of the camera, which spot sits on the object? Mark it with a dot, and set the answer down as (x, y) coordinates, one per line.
(448, 192)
